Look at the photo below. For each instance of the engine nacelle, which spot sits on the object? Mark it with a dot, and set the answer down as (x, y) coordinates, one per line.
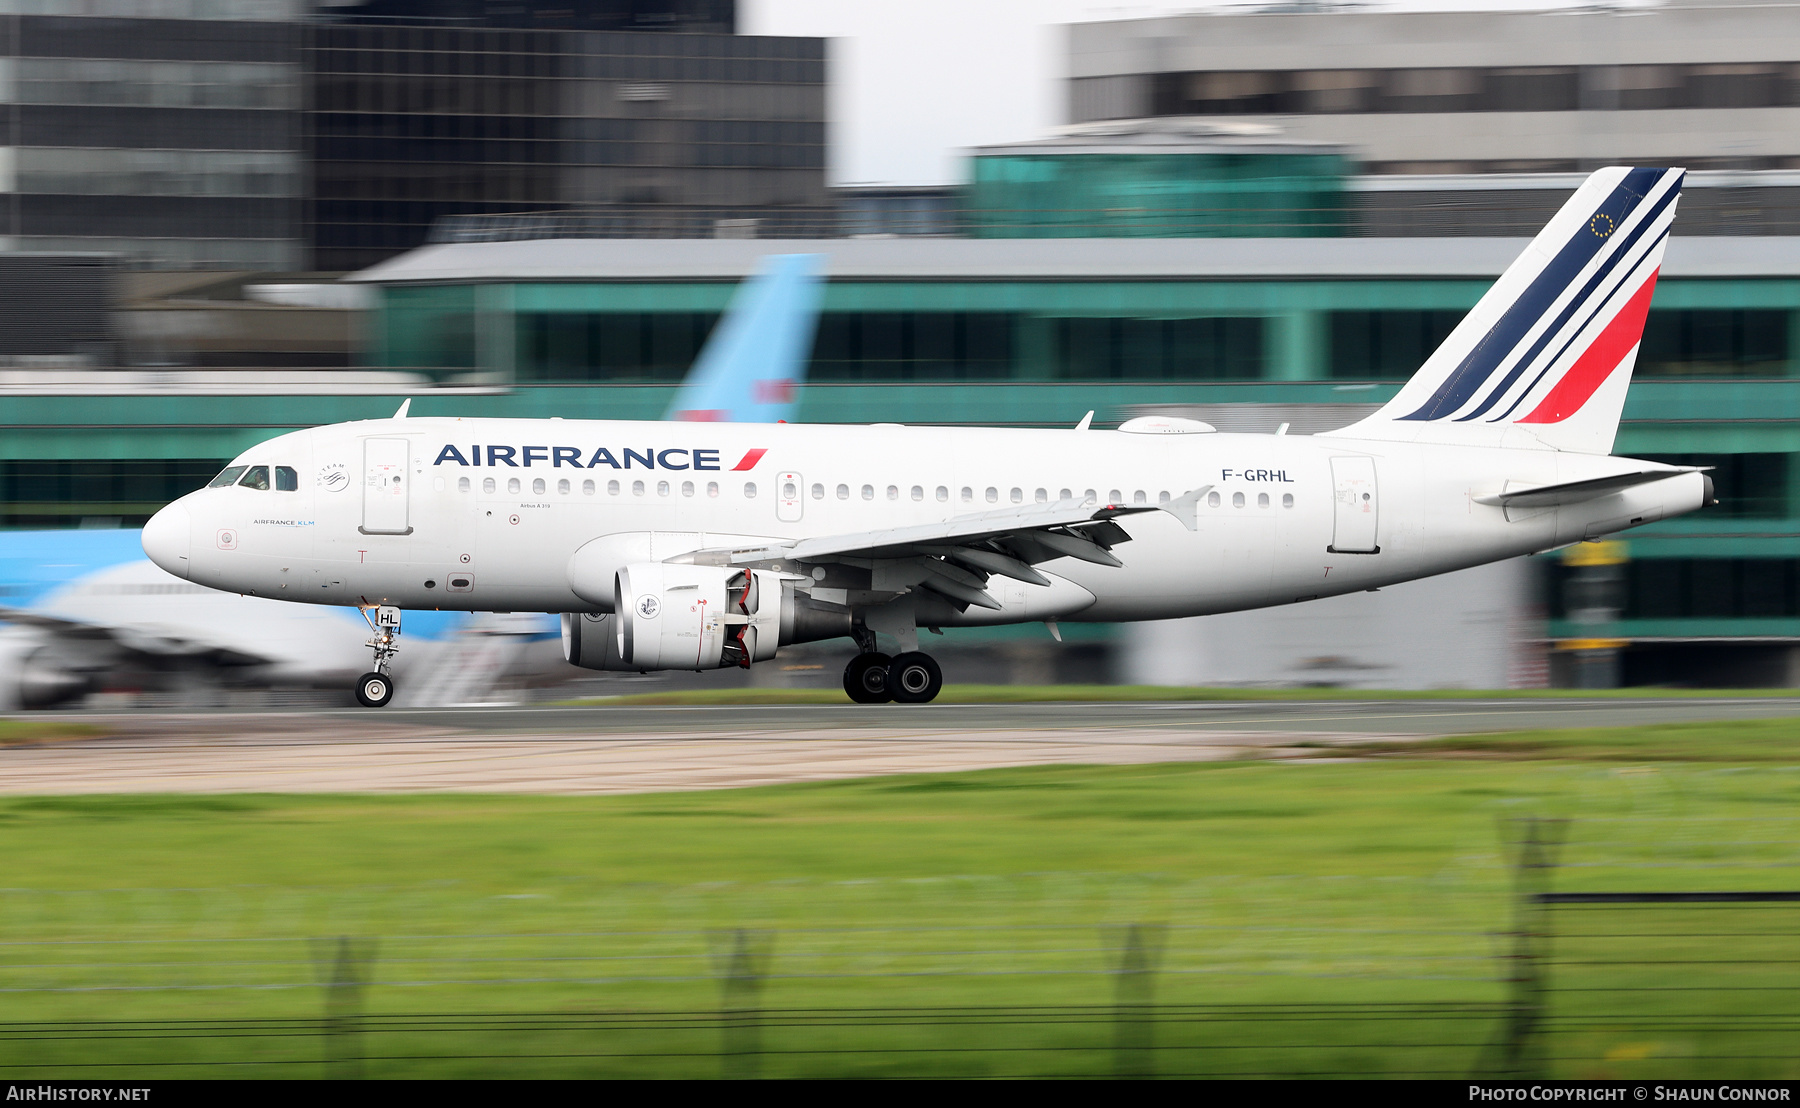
(668, 616)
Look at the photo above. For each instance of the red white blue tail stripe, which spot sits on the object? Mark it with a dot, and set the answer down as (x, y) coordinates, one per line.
(1560, 324)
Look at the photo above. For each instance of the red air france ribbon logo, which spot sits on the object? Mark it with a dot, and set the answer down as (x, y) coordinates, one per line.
(750, 459)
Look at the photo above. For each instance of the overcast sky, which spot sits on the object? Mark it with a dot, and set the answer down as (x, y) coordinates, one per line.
(915, 82)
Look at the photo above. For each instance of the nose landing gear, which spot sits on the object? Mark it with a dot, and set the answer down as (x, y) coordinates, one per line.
(375, 688)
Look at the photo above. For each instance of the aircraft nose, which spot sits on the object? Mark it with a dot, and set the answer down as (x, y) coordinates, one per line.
(166, 538)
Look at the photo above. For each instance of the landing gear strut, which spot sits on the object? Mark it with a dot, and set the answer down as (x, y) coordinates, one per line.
(375, 688)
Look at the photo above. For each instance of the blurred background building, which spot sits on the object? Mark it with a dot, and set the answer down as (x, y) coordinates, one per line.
(1250, 218)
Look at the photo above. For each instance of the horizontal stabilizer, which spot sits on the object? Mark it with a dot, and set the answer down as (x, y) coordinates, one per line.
(1574, 492)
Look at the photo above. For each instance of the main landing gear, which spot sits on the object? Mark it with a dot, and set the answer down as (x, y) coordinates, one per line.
(909, 678)
(375, 688)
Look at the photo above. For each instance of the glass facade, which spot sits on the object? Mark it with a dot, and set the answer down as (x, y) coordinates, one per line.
(1043, 331)
(122, 492)
(1702, 588)
(1551, 88)
(1729, 343)
(185, 115)
(1386, 345)
(409, 124)
(1154, 195)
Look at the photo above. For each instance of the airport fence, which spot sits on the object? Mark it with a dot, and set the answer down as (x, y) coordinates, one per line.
(1567, 962)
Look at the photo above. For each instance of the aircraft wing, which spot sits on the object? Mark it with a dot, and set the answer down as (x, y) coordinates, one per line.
(956, 557)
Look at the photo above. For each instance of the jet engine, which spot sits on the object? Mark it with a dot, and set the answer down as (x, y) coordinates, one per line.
(35, 678)
(670, 616)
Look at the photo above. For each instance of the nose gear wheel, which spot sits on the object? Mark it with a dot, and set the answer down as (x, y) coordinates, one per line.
(374, 690)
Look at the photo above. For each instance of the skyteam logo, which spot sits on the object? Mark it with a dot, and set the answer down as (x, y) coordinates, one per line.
(1570, 324)
(576, 457)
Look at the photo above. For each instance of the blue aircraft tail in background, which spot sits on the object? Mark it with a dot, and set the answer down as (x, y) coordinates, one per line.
(755, 360)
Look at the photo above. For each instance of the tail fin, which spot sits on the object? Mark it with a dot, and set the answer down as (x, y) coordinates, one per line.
(755, 359)
(1543, 361)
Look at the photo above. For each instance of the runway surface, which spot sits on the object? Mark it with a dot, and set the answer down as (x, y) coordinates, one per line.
(646, 749)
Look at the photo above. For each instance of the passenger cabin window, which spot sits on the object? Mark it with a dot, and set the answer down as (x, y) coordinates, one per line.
(1018, 496)
(287, 479)
(1041, 495)
(512, 485)
(1287, 500)
(893, 492)
(1114, 496)
(563, 486)
(687, 488)
(1064, 494)
(868, 492)
(1212, 500)
(462, 484)
(1237, 500)
(1262, 500)
(712, 489)
(257, 477)
(943, 494)
(818, 491)
(1088, 496)
(662, 488)
(918, 492)
(537, 486)
(749, 490)
(612, 488)
(968, 494)
(487, 484)
(843, 492)
(993, 495)
(227, 476)
(587, 487)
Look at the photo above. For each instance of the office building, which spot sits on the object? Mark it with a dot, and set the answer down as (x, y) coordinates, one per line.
(682, 133)
(1705, 85)
(164, 131)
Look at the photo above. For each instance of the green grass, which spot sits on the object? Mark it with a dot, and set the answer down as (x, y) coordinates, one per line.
(14, 732)
(1351, 889)
(1009, 694)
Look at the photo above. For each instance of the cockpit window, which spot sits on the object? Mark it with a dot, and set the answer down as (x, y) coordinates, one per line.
(256, 478)
(227, 476)
(286, 479)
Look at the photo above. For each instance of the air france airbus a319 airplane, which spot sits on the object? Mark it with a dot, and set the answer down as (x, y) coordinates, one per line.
(697, 546)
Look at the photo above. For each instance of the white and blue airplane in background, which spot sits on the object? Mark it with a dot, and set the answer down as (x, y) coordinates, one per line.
(80, 607)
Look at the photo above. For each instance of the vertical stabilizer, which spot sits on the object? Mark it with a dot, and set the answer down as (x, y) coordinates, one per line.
(755, 359)
(1543, 361)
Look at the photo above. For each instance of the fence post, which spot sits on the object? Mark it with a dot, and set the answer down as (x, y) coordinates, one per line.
(742, 968)
(1533, 846)
(1134, 998)
(344, 971)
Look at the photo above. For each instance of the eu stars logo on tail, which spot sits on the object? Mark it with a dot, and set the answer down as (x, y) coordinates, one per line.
(755, 360)
(1545, 358)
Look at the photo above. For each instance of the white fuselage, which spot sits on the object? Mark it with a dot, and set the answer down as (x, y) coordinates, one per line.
(414, 521)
